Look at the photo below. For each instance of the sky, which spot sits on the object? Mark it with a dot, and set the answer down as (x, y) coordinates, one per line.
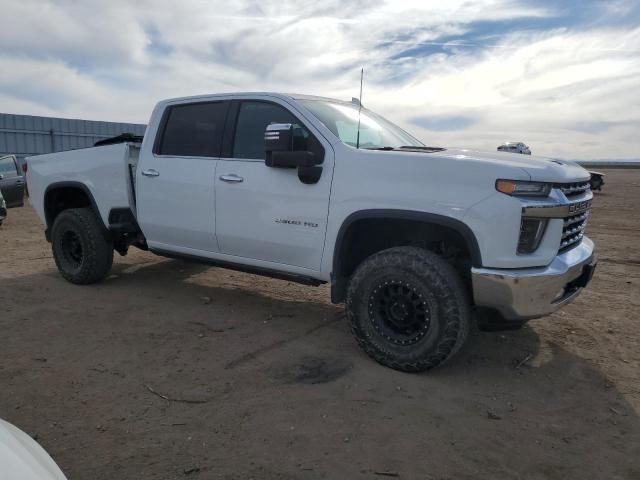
(562, 76)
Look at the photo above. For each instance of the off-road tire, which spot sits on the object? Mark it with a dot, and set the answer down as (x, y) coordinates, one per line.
(92, 256)
(418, 277)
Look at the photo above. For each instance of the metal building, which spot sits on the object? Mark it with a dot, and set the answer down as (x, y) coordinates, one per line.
(25, 135)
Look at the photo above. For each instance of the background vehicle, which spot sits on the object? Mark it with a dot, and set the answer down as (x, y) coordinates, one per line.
(3, 209)
(597, 180)
(514, 147)
(412, 238)
(11, 181)
(21, 458)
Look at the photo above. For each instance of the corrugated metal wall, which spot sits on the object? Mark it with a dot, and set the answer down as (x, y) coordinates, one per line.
(24, 135)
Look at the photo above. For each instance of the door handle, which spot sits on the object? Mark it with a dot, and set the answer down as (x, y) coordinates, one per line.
(231, 178)
(151, 173)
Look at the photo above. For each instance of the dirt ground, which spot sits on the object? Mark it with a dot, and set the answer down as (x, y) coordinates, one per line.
(174, 370)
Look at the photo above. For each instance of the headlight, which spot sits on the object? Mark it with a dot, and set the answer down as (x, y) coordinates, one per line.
(520, 188)
(531, 232)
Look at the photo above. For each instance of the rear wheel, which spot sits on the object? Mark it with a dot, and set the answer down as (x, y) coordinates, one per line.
(81, 248)
(409, 309)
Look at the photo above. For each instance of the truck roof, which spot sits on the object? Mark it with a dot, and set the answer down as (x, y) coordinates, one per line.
(294, 96)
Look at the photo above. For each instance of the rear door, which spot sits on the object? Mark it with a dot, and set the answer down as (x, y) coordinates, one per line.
(11, 182)
(175, 182)
(266, 213)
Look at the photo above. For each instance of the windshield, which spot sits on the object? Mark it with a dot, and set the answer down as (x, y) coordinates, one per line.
(375, 131)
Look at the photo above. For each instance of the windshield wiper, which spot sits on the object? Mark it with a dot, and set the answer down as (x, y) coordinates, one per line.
(429, 149)
(407, 147)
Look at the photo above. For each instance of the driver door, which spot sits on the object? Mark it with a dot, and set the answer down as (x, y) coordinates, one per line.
(267, 213)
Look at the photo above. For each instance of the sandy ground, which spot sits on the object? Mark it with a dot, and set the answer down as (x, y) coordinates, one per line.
(173, 370)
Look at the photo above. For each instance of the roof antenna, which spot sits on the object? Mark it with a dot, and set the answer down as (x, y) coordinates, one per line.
(359, 109)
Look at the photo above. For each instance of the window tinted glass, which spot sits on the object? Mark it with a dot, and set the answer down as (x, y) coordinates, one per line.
(253, 118)
(8, 167)
(194, 130)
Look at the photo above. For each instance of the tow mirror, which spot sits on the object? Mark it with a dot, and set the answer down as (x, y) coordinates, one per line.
(278, 137)
(300, 158)
(286, 147)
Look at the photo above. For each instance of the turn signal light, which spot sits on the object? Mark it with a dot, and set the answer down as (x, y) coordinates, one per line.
(523, 189)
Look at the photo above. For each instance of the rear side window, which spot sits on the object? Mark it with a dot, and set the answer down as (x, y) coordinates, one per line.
(253, 118)
(193, 130)
(8, 167)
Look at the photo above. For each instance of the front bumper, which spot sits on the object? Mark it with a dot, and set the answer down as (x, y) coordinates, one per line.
(522, 294)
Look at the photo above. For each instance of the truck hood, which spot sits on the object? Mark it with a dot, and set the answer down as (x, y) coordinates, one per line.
(540, 169)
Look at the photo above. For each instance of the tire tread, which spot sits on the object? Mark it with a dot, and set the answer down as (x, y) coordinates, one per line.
(457, 315)
(98, 254)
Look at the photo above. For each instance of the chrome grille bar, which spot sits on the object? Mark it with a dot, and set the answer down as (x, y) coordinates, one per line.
(573, 230)
(570, 241)
(573, 189)
(578, 218)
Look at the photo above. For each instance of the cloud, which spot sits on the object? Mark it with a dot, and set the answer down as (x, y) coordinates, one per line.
(560, 76)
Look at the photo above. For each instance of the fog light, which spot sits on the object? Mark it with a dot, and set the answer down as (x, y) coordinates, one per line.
(531, 232)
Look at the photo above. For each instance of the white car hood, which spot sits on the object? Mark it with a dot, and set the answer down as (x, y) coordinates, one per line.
(539, 168)
(21, 458)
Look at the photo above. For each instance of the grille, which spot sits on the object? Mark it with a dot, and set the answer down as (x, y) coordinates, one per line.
(573, 230)
(573, 189)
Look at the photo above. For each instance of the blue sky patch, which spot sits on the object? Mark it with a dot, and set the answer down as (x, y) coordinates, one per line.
(483, 34)
(443, 123)
(157, 45)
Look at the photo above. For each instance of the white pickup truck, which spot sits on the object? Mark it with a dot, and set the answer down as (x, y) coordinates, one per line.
(414, 239)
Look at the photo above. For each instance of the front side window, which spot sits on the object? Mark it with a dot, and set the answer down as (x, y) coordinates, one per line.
(8, 167)
(253, 118)
(375, 132)
(194, 130)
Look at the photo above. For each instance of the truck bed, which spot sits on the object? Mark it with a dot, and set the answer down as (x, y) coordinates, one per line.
(87, 168)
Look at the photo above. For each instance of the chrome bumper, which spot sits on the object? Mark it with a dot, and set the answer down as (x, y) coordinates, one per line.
(526, 293)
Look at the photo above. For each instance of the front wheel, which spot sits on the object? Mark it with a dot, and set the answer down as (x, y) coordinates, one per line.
(409, 309)
(81, 248)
